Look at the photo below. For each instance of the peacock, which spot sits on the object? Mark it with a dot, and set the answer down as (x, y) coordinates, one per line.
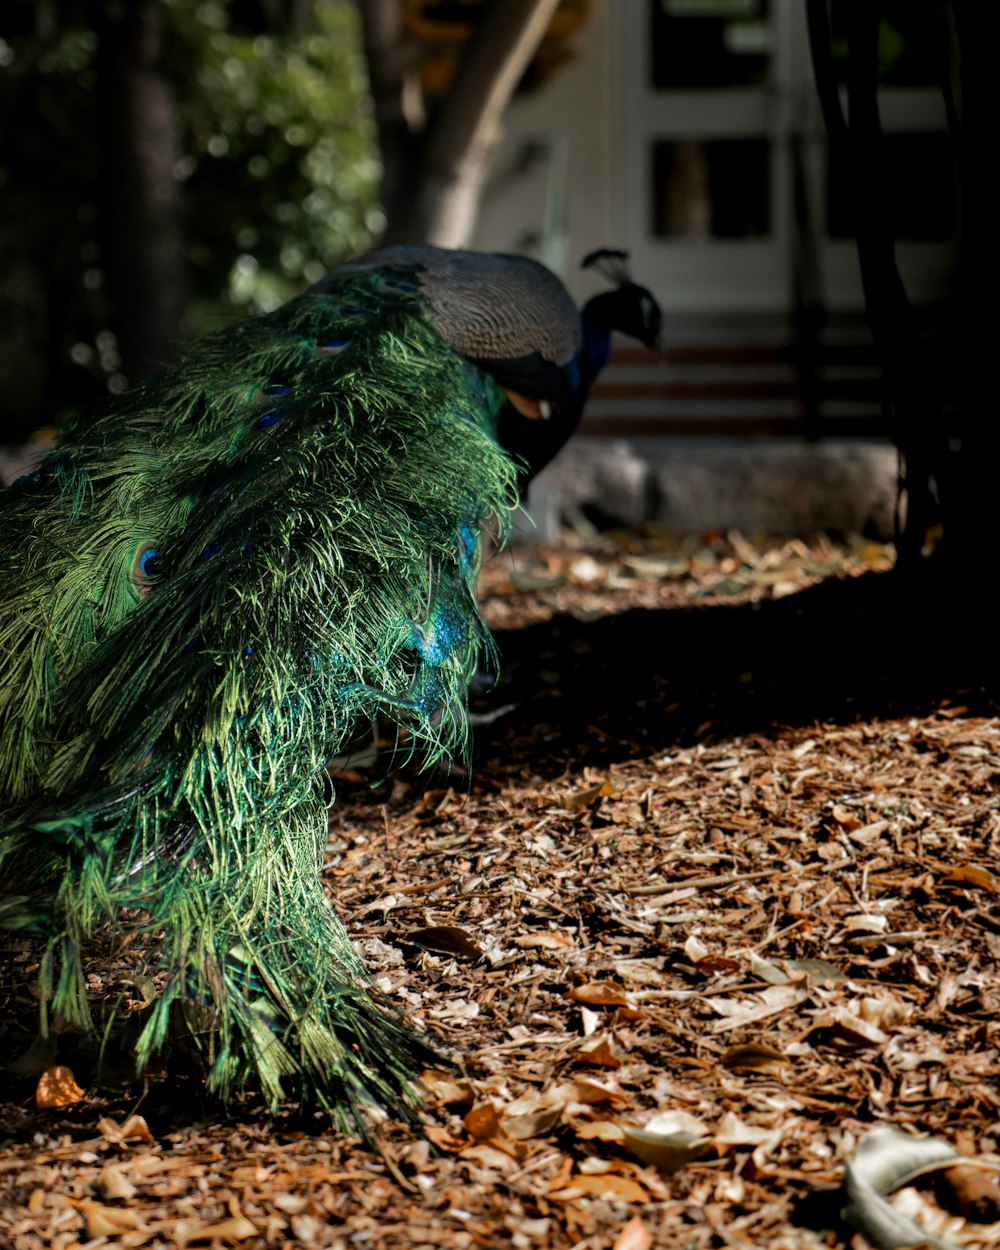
(212, 585)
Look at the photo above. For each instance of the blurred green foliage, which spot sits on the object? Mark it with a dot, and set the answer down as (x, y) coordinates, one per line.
(277, 164)
(279, 149)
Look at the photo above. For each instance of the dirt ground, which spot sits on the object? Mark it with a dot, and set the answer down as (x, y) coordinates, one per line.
(716, 900)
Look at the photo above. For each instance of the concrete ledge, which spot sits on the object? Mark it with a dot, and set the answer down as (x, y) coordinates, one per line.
(774, 486)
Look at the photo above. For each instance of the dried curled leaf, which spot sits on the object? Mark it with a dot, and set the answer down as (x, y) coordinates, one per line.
(599, 994)
(445, 939)
(885, 1160)
(670, 1140)
(135, 1128)
(754, 1057)
(57, 1087)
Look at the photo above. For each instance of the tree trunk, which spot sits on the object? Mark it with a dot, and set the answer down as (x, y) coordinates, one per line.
(434, 176)
(142, 252)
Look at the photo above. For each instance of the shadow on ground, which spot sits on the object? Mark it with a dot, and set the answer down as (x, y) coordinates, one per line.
(593, 691)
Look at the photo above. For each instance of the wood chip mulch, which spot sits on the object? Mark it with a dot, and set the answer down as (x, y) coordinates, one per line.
(717, 897)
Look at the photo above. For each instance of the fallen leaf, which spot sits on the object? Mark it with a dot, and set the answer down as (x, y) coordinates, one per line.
(444, 939)
(969, 1191)
(764, 1004)
(57, 1087)
(971, 874)
(887, 1159)
(445, 1089)
(754, 1057)
(483, 1120)
(591, 1092)
(669, 1152)
(534, 1124)
(544, 941)
(634, 1236)
(864, 922)
(483, 1123)
(107, 1221)
(489, 1154)
(603, 1053)
(134, 1128)
(442, 1138)
(599, 994)
(600, 1130)
(845, 817)
(113, 1183)
(605, 1185)
(307, 1228)
(236, 1228)
(583, 799)
(848, 1031)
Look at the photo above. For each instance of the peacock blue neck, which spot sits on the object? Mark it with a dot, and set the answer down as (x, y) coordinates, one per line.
(596, 347)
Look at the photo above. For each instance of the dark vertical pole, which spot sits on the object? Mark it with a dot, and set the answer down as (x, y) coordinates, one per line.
(142, 255)
(912, 407)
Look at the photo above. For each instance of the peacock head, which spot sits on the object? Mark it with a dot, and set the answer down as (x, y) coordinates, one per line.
(629, 308)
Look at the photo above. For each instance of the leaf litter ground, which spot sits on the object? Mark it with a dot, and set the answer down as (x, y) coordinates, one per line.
(717, 898)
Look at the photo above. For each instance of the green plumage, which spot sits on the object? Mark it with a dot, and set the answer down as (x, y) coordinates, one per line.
(207, 590)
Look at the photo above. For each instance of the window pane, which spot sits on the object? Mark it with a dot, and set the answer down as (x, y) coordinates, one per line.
(918, 185)
(711, 188)
(710, 43)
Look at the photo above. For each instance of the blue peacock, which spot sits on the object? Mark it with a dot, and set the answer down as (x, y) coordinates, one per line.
(209, 587)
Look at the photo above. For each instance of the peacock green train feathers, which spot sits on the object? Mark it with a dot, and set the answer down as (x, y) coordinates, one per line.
(206, 590)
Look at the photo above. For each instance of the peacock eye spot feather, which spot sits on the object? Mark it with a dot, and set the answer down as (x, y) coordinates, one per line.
(331, 347)
(211, 550)
(144, 569)
(276, 388)
(268, 419)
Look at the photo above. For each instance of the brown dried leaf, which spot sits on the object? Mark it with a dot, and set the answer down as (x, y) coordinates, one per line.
(599, 994)
(445, 939)
(600, 1130)
(237, 1228)
(544, 941)
(113, 1183)
(443, 1139)
(601, 1053)
(532, 1124)
(604, 1185)
(590, 1092)
(969, 1191)
(445, 1090)
(483, 1121)
(135, 1128)
(105, 1221)
(971, 874)
(754, 1057)
(57, 1087)
(669, 1152)
(583, 799)
(634, 1236)
(848, 1031)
